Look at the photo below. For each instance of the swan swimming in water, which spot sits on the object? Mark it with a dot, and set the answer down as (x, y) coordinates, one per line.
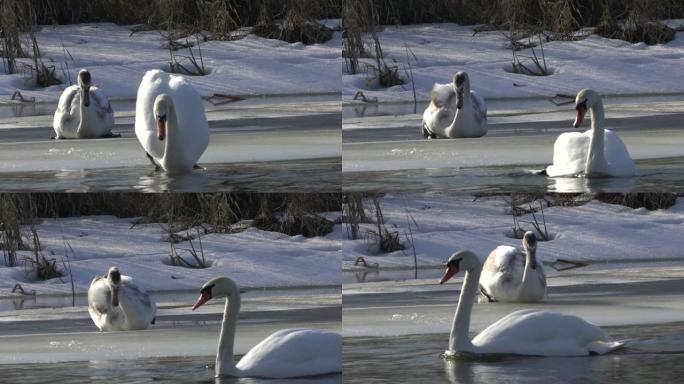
(83, 111)
(116, 303)
(509, 275)
(455, 111)
(524, 332)
(597, 152)
(285, 353)
(170, 122)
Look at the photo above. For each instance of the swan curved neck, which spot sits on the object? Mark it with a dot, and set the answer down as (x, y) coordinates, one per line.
(530, 261)
(459, 339)
(82, 112)
(225, 363)
(115, 295)
(596, 161)
(174, 144)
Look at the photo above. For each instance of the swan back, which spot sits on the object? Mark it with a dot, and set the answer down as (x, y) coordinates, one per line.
(191, 131)
(543, 333)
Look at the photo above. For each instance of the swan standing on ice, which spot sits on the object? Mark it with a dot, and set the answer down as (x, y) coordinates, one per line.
(597, 152)
(455, 111)
(525, 332)
(170, 122)
(511, 276)
(285, 353)
(83, 112)
(116, 303)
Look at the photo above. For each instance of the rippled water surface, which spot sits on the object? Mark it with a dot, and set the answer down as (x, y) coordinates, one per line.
(322, 175)
(188, 370)
(655, 175)
(654, 354)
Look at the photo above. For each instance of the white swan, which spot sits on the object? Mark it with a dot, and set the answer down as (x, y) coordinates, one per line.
(170, 122)
(597, 152)
(455, 111)
(83, 112)
(285, 353)
(525, 332)
(116, 303)
(513, 276)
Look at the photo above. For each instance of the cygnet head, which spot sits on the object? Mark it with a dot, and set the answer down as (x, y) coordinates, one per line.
(461, 260)
(162, 107)
(84, 80)
(530, 244)
(584, 101)
(114, 278)
(460, 80)
(215, 288)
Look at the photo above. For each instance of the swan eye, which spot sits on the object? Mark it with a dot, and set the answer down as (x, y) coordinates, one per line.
(207, 290)
(582, 105)
(454, 263)
(161, 118)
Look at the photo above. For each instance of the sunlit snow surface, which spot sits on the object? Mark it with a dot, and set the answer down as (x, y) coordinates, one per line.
(253, 257)
(118, 59)
(438, 51)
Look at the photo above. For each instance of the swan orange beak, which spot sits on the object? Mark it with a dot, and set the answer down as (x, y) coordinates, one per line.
(204, 297)
(450, 272)
(161, 127)
(580, 117)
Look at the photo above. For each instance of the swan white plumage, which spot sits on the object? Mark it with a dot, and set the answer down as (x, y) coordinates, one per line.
(285, 353)
(510, 275)
(597, 152)
(525, 332)
(116, 303)
(83, 111)
(170, 122)
(455, 111)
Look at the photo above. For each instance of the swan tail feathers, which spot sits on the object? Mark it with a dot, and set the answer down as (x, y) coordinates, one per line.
(600, 347)
(427, 133)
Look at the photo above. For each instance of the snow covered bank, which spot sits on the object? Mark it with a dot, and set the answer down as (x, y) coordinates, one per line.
(118, 59)
(612, 67)
(442, 224)
(253, 258)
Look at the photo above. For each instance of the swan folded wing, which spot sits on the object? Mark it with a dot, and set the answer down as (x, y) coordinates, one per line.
(442, 95)
(66, 117)
(69, 100)
(139, 308)
(99, 295)
(480, 107)
(503, 258)
(620, 163)
(100, 103)
(294, 353)
(569, 154)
